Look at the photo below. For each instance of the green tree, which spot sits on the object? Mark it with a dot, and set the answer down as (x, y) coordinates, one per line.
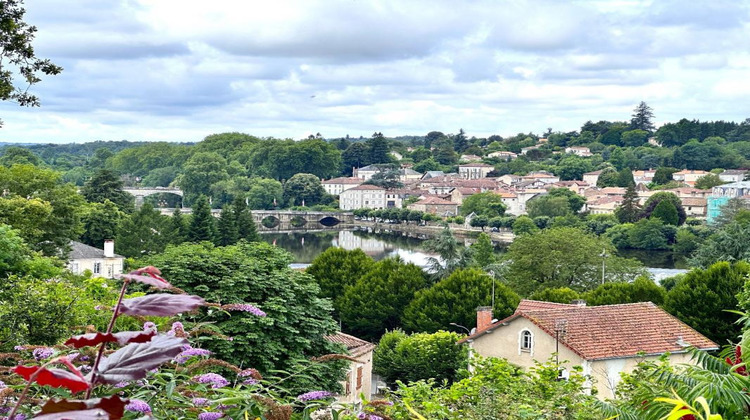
(524, 225)
(629, 210)
(202, 223)
(706, 182)
(106, 185)
(729, 212)
(608, 178)
(642, 289)
(455, 299)
(227, 232)
(265, 194)
(460, 142)
(337, 270)
(17, 259)
(642, 118)
(571, 167)
(178, 228)
(654, 200)
(377, 300)
(378, 148)
(685, 242)
(429, 164)
(200, 172)
(701, 298)
(648, 234)
(667, 212)
(565, 257)
(14, 155)
(727, 244)
(16, 37)
(486, 204)
(100, 222)
(663, 175)
(246, 228)
(297, 320)
(452, 255)
(303, 188)
(410, 358)
(145, 232)
(558, 295)
(634, 138)
(548, 206)
(483, 252)
(356, 155)
(625, 178)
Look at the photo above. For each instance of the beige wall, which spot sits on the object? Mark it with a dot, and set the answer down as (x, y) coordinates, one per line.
(504, 342)
(364, 361)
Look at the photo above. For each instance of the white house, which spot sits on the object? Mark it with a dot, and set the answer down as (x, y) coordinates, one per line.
(689, 176)
(592, 177)
(474, 170)
(579, 151)
(100, 262)
(644, 177)
(368, 197)
(366, 172)
(503, 155)
(605, 341)
(336, 186)
(733, 175)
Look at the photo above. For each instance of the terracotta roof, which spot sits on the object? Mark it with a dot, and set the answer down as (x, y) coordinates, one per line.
(609, 331)
(694, 201)
(365, 187)
(356, 346)
(613, 190)
(343, 180)
(435, 201)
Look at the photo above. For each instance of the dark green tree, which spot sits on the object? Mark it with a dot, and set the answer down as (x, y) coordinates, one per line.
(558, 295)
(432, 137)
(524, 225)
(202, 223)
(16, 37)
(701, 298)
(378, 148)
(377, 300)
(100, 222)
(356, 155)
(177, 227)
(648, 234)
(106, 185)
(452, 255)
(707, 182)
(337, 270)
(728, 244)
(729, 212)
(642, 118)
(246, 228)
(200, 173)
(460, 142)
(303, 188)
(643, 289)
(455, 299)
(145, 232)
(629, 210)
(486, 204)
(608, 178)
(663, 175)
(14, 155)
(625, 178)
(228, 234)
(654, 200)
(667, 212)
(483, 252)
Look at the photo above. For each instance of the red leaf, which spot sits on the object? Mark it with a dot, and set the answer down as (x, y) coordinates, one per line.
(93, 414)
(149, 269)
(160, 304)
(112, 406)
(56, 378)
(150, 279)
(134, 360)
(121, 338)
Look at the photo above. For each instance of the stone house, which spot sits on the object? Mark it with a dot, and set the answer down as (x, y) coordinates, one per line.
(368, 197)
(592, 177)
(359, 375)
(100, 262)
(474, 170)
(336, 186)
(605, 341)
(688, 176)
(435, 205)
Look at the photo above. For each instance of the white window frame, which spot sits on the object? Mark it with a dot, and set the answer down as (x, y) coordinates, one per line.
(521, 348)
(97, 267)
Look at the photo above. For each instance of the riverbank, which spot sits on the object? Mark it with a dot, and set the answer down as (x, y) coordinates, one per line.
(432, 230)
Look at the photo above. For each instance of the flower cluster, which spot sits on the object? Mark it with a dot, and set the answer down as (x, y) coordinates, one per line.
(200, 402)
(42, 353)
(210, 415)
(244, 307)
(216, 380)
(139, 406)
(365, 416)
(314, 395)
(149, 326)
(188, 352)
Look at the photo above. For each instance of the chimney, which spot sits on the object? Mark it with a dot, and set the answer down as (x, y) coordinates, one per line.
(579, 302)
(484, 317)
(109, 248)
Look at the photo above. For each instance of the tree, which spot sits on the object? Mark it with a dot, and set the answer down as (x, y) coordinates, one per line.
(642, 289)
(667, 212)
(663, 175)
(549, 206)
(16, 37)
(429, 164)
(483, 252)
(706, 182)
(625, 178)
(728, 244)
(246, 228)
(565, 257)
(264, 194)
(388, 178)
(432, 137)
(177, 227)
(558, 295)
(480, 221)
(100, 222)
(14, 155)
(629, 210)
(303, 188)
(200, 172)
(377, 300)
(455, 298)
(608, 178)
(297, 320)
(701, 299)
(337, 270)
(356, 155)
(452, 255)
(378, 148)
(653, 201)
(571, 167)
(524, 225)
(227, 232)
(648, 234)
(202, 223)
(145, 232)
(486, 204)
(642, 118)
(410, 358)
(634, 138)
(460, 142)
(729, 212)
(106, 185)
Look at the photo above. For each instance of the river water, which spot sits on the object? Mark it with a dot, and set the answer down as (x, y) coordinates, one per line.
(305, 246)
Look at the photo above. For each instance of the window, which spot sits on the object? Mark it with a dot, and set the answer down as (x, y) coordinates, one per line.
(359, 377)
(526, 341)
(97, 268)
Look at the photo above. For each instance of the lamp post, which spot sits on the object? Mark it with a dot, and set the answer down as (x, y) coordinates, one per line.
(468, 331)
(604, 256)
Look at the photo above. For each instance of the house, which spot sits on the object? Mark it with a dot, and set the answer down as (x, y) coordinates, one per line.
(366, 172)
(458, 195)
(688, 176)
(694, 206)
(510, 179)
(397, 155)
(470, 158)
(577, 187)
(733, 175)
(359, 375)
(435, 205)
(579, 151)
(525, 150)
(523, 196)
(604, 205)
(544, 176)
(721, 194)
(432, 174)
(368, 197)
(512, 205)
(336, 186)
(474, 170)
(592, 177)
(605, 341)
(100, 262)
(408, 174)
(644, 177)
(503, 155)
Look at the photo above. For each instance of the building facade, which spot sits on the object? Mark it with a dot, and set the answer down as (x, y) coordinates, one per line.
(100, 262)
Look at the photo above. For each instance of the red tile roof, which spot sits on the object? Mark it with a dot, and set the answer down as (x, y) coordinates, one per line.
(356, 346)
(435, 201)
(344, 180)
(609, 331)
(365, 187)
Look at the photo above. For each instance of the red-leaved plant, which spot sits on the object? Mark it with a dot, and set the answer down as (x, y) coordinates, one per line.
(141, 352)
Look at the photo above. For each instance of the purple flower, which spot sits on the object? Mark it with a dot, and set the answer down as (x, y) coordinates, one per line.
(250, 381)
(374, 417)
(148, 325)
(216, 380)
(314, 395)
(139, 406)
(19, 348)
(244, 307)
(42, 353)
(211, 415)
(188, 352)
(200, 402)
(362, 415)
(176, 325)
(121, 384)
(83, 358)
(2, 385)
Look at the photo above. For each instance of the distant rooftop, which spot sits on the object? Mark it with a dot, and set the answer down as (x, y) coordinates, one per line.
(81, 251)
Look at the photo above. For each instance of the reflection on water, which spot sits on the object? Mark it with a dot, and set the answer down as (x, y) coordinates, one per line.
(306, 246)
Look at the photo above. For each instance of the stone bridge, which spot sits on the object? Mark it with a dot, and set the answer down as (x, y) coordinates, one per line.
(269, 219)
(140, 192)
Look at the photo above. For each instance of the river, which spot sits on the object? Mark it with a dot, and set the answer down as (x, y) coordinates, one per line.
(305, 246)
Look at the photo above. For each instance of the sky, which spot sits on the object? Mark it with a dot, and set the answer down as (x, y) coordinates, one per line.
(179, 70)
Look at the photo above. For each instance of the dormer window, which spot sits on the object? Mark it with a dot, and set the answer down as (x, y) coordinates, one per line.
(526, 341)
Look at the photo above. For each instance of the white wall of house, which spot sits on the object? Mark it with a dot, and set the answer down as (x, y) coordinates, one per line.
(100, 267)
